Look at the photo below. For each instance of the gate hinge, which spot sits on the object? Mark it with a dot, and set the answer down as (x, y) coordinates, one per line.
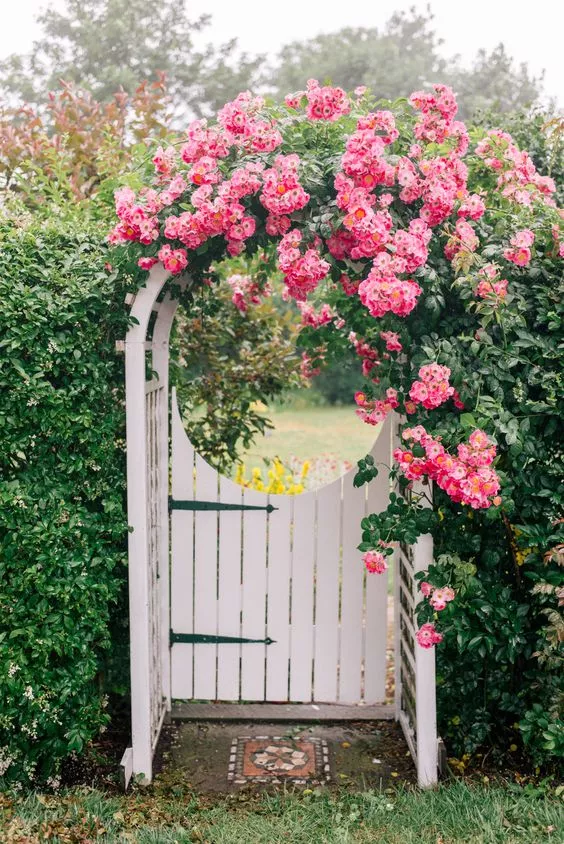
(204, 639)
(174, 504)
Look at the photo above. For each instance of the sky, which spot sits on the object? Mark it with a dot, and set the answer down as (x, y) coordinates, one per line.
(532, 32)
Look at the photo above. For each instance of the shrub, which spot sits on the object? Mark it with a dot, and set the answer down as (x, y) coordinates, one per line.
(62, 521)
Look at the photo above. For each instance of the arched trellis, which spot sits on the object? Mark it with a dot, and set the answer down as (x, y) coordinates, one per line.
(147, 411)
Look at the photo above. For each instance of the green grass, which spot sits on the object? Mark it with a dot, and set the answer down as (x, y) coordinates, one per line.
(452, 814)
(312, 431)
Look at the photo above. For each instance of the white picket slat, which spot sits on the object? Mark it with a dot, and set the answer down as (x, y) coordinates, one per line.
(352, 599)
(376, 599)
(254, 596)
(182, 570)
(278, 610)
(301, 632)
(229, 591)
(205, 581)
(326, 654)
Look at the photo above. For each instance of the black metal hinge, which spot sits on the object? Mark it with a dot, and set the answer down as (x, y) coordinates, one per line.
(204, 639)
(174, 504)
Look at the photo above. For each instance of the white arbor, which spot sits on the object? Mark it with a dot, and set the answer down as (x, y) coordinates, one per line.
(269, 599)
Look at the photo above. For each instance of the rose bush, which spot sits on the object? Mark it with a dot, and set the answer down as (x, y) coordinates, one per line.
(437, 257)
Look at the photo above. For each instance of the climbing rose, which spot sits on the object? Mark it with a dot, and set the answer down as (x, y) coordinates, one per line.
(473, 207)
(428, 636)
(433, 389)
(302, 271)
(147, 263)
(282, 192)
(246, 291)
(374, 412)
(325, 103)
(391, 340)
(441, 597)
(466, 478)
(173, 260)
(375, 562)
(519, 252)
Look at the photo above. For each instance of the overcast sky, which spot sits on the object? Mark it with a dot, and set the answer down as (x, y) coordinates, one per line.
(531, 31)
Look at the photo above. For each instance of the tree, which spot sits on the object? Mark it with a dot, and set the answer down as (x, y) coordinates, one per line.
(494, 82)
(404, 56)
(105, 45)
(401, 58)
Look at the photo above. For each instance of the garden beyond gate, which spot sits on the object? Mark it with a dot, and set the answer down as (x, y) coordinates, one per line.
(236, 595)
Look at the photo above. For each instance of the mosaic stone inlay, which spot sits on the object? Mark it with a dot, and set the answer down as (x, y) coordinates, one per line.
(275, 759)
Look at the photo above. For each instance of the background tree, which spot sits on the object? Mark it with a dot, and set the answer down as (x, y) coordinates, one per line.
(393, 61)
(105, 45)
(494, 81)
(402, 57)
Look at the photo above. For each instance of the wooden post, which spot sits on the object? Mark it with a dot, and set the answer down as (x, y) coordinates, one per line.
(138, 552)
(139, 621)
(425, 687)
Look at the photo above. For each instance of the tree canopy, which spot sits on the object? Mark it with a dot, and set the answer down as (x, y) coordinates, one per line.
(406, 54)
(105, 45)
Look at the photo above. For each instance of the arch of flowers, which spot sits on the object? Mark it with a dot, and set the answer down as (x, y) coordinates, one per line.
(378, 219)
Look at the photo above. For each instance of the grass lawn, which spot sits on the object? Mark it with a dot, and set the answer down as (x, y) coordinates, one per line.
(309, 432)
(163, 814)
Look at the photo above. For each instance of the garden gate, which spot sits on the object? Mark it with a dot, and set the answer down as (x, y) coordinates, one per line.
(236, 595)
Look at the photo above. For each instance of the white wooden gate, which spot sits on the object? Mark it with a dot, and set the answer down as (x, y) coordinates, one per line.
(283, 572)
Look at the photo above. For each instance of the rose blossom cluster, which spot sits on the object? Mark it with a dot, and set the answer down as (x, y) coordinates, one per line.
(239, 120)
(246, 291)
(314, 318)
(366, 229)
(302, 271)
(519, 251)
(216, 200)
(375, 411)
(392, 341)
(428, 636)
(490, 286)
(467, 478)
(382, 291)
(438, 110)
(282, 193)
(473, 207)
(307, 370)
(433, 389)
(463, 240)
(136, 221)
(518, 178)
(375, 561)
(323, 103)
(439, 596)
(369, 355)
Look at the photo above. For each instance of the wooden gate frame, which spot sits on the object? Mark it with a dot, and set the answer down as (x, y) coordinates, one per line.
(147, 431)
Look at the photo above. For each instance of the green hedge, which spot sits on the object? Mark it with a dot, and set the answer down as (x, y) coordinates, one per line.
(62, 479)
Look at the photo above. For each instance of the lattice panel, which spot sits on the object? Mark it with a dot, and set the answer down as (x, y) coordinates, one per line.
(153, 405)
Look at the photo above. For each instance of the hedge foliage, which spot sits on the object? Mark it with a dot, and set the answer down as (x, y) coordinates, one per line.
(62, 479)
